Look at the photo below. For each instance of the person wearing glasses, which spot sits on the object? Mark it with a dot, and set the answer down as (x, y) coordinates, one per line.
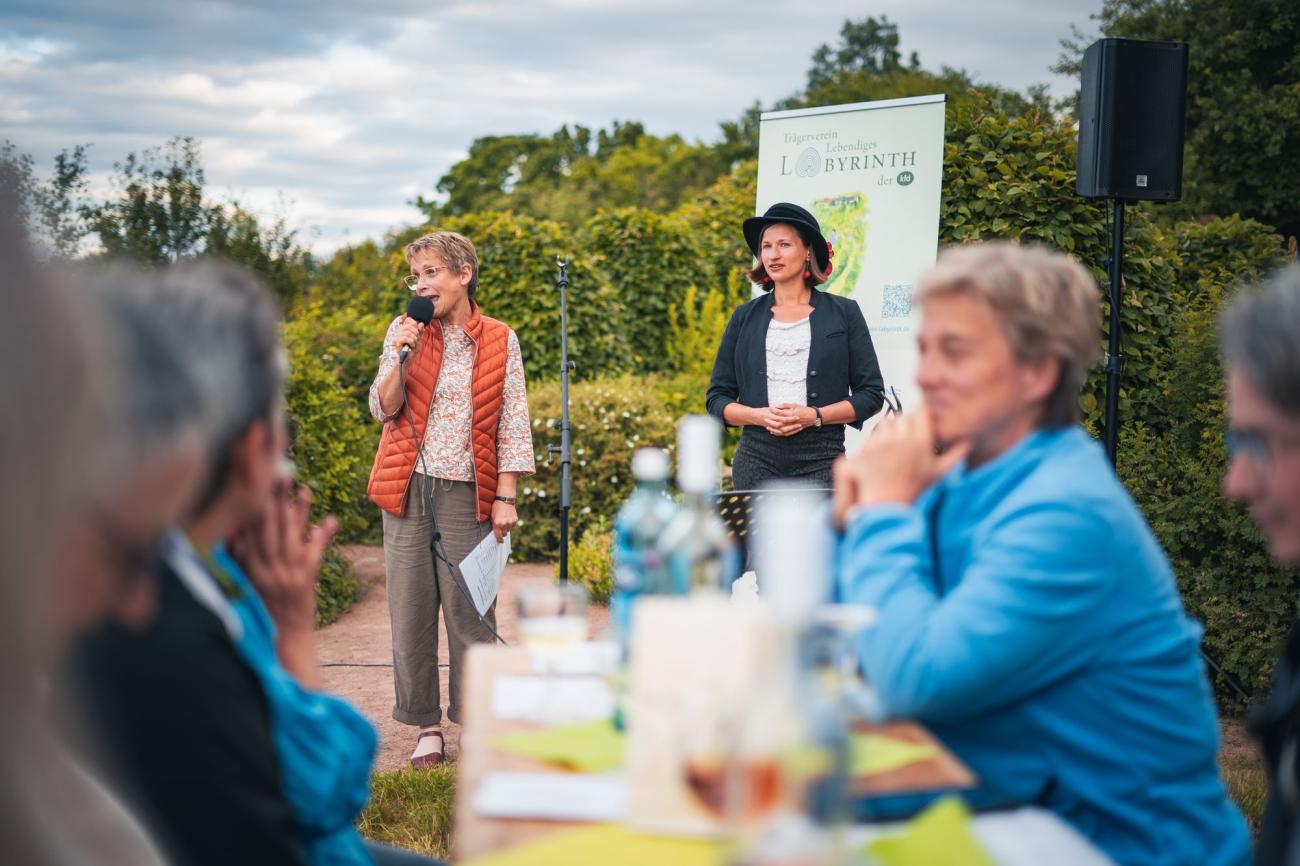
(795, 365)
(1027, 614)
(1260, 340)
(455, 440)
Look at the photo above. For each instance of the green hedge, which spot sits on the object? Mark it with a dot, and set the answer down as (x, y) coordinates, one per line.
(609, 419)
(1174, 464)
(650, 292)
(336, 436)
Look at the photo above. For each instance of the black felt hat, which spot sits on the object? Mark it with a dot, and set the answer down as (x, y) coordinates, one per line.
(785, 212)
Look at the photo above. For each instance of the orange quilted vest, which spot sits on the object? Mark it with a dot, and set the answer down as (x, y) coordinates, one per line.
(395, 460)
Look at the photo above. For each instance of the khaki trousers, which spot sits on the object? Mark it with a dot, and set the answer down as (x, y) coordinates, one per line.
(416, 589)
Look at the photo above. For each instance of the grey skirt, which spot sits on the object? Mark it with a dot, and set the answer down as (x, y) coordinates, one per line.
(806, 456)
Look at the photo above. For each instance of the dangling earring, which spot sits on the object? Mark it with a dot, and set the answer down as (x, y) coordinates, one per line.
(807, 273)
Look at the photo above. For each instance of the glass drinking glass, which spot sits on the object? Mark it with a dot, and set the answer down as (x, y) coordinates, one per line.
(552, 619)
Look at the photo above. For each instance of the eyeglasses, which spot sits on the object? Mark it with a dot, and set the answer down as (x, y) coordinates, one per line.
(1261, 448)
(413, 281)
(893, 403)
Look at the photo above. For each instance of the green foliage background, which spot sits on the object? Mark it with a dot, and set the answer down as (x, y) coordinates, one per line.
(644, 326)
(652, 223)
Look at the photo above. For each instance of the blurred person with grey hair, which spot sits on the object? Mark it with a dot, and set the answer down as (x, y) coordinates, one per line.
(1260, 339)
(1027, 614)
(215, 711)
(96, 463)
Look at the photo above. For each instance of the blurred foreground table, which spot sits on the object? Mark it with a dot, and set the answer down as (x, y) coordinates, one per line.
(475, 835)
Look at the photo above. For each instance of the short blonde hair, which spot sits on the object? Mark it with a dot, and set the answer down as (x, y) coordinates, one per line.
(454, 249)
(1048, 304)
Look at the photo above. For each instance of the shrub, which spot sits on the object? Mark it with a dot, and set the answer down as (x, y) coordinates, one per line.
(1173, 464)
(345, 339)
(591, 561)
(609, 419)
(335, 441)
(517, 260)
(337, 588)
(645, 257)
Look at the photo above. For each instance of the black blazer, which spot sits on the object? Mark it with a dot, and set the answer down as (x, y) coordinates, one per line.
(842, 362)
(181, 726)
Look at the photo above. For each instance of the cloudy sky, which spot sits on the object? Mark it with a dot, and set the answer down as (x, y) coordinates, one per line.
(337, 114)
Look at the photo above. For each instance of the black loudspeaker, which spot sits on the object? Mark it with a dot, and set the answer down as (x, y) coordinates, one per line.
(1131, 111)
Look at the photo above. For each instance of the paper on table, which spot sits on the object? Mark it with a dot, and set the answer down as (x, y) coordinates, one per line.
(552, 700)
(589, 748)
(482, 570)
(552, 796)
(940, 834)
(606, 844)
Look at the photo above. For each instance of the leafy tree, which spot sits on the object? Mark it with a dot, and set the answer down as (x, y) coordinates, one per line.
(868, 45)
(1243, 99)
(53, 210)
(568, 176)
(16, 179)
(159, 214)
(59, 203)
(271, 251)
(364, 277)
(867, 65)
(497, 165)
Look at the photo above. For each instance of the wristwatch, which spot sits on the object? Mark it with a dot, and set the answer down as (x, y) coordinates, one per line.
(819, 417)
(508, 500)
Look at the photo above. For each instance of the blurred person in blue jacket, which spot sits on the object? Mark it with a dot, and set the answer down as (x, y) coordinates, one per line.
(1027, 615)
(1261, 347)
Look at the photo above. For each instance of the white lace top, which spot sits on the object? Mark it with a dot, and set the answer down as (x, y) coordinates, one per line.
(787, 362)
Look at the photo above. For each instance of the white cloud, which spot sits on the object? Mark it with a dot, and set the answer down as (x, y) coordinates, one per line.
(343, 115)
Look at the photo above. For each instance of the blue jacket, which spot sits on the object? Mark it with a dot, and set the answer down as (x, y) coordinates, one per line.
(1034, 626)
(326, 747)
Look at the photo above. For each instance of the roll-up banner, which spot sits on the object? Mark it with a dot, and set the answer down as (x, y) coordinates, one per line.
(871, 173)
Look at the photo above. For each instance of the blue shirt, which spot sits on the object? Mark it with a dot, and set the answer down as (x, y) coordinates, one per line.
(326, 747)
(1030, 619)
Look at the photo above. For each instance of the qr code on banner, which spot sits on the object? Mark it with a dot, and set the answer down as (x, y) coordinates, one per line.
(898, 301)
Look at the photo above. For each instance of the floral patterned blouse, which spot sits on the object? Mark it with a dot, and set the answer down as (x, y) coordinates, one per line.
(446, 447)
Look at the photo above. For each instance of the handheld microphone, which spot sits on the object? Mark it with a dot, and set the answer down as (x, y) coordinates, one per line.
(420, 309)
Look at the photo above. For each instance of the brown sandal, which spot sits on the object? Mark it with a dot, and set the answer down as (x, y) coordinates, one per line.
(433, 759)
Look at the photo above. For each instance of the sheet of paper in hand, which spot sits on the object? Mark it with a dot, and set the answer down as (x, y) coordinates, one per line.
(483, 568)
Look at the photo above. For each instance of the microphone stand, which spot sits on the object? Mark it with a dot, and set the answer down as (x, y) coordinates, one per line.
(566, 491)
(1114, 365)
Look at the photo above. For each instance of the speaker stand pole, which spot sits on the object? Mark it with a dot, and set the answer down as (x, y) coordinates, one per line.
(566, 490)
(1114, 360)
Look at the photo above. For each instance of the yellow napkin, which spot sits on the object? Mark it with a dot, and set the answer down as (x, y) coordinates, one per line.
(591, 747)
(939, 836)
(871, 754)
(606, 844)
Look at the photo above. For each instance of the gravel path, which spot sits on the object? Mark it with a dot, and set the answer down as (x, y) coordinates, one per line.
(356, 651)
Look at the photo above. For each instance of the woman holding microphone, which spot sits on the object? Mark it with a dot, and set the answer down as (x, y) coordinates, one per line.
(795, 364)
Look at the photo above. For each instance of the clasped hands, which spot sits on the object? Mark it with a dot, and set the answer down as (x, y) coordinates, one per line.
(785, 419)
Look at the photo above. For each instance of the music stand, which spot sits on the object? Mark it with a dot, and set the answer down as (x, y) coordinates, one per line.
(736, 508)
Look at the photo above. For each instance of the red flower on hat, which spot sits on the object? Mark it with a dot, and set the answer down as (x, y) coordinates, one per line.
(829, 267)
(830, 250)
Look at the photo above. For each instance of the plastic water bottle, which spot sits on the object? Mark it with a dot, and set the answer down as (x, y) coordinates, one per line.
(638, 565)
(700, 554)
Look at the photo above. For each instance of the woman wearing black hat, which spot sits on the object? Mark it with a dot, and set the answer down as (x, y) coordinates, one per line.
(795, 365)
